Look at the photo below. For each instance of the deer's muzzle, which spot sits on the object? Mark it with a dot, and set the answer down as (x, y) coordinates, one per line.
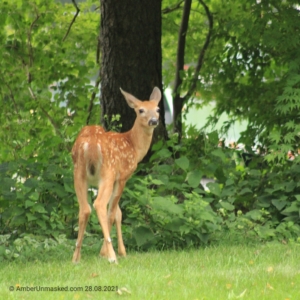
(153, 122)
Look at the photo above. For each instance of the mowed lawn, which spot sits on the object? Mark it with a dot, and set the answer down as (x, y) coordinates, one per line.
(261, 271)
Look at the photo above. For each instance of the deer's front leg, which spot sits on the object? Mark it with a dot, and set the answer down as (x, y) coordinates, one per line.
(104, 194)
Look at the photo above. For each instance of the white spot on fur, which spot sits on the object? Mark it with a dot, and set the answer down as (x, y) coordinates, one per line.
(85, 147)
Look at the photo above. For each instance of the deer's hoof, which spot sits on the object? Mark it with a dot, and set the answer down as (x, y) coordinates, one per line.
(112, 260)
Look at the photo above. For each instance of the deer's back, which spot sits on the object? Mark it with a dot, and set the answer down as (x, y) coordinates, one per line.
(100, 154)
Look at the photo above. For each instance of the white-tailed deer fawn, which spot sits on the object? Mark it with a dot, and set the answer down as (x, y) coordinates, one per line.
(107, 160)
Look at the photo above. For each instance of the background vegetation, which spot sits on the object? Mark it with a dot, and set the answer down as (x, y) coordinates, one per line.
(49, 90)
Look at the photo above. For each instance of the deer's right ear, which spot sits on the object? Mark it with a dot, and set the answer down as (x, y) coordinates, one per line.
(131, 100)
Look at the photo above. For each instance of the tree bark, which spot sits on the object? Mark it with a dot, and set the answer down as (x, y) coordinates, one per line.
(131, 57)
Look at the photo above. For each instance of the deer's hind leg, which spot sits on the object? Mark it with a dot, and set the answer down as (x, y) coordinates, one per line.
(105, 192)
(118, 222)
(84, 213)
(115, 216)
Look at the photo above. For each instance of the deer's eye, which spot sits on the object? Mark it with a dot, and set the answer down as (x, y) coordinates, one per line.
(158, 110)
(141, 110)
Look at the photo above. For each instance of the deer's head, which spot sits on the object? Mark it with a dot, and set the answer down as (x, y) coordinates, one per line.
(147, 111)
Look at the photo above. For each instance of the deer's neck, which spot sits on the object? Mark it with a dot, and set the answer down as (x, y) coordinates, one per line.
(140, 138)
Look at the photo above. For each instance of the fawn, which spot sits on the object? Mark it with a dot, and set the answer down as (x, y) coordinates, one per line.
(107, 160)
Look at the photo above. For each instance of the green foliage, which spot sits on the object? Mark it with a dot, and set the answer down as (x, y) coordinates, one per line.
(113, 124)
(260, 201)
(47, 91)
(285, 134)
(30, 247)
(46, 81)
(38, 196)
(248, 63)
(154, 218)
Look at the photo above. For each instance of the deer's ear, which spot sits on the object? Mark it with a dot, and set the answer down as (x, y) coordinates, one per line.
(131, 100)
(155, 95)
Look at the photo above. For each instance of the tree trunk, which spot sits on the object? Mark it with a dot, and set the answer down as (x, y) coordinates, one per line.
(131, 57)
(177, 100)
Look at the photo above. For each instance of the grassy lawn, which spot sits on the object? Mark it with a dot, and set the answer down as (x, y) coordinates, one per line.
(261, 271)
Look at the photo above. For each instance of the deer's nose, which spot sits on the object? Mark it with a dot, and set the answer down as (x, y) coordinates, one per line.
(153, 122)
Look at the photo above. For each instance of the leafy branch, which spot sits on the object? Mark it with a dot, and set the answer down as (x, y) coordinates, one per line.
(178, 101)
(172, 8)
(30, 48)
(91, 105)
(33, 96)
(73, 20)
(55, 126)
(12, 97)
(202, 52)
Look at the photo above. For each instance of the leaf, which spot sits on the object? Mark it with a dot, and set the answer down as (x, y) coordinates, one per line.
(185, 229)
(167, 205)
(207, 216)
(29, 203)
(68, 188)
(214, 188)
(290, 186)
(242, 294)
(213, 137)
(142, 235)
(174, 224)
(266, 232)
(275, 137)
(291, 209)
(30, 217)
(34, 196)
(219, 153)
(279, 204)
(39, 208)
(227, 205)
(269, 286)
(229, 182)
(122, 290)
(255, 173)
(41, 223)
(8, 183)
(254, 214)
(245, 191)
(161, 154)
(182, 162)
(193, 178)
(157, 145)
(31, 182)
(157, 182)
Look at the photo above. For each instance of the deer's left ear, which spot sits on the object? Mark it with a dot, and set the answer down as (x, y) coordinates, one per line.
(155, 95)
(131, 100)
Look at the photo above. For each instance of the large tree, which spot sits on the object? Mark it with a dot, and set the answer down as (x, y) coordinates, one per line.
(131, 57)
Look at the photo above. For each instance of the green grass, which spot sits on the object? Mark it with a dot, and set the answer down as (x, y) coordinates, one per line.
(261, 271)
